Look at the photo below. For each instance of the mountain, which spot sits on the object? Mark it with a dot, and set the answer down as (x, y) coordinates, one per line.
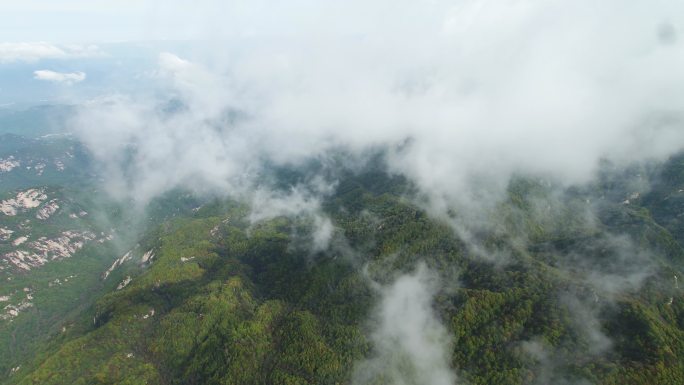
(59, 230)
(342, 193)
(563, 286)
(53, 241)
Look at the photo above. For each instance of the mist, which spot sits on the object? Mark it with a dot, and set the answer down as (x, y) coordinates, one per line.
(462, 95)
(411, 346)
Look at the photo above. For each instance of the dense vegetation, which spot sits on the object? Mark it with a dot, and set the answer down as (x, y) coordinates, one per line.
(562, 286)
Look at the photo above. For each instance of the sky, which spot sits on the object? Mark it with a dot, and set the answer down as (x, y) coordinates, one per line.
(108, 40)
(90, 43)
(71, 21)
(81, 21)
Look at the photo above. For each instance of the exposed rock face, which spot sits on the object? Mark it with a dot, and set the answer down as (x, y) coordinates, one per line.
(124, 283)
(47, 210)
(147, 257)
(19, 241)
(5, 233)
(214, 231)
(63, 246)
(23, 259)
(24, 200)
(80, 214)
(116, 264)
(149, 314)
(105, 237)
(25, 225)
(60, 282)
(46, 249)
(40, 168)
(6, 165)
(12, 311)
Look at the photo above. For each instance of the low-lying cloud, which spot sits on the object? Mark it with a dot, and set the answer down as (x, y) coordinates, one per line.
(463, 96)
(412, 347)
(298, 202)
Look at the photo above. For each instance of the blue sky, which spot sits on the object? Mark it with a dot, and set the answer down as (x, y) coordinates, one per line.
(87, 21)
(70, 77)
(56, 51)
(71, 21)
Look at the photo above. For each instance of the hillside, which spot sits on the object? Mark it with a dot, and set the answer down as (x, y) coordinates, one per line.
(568, 286)
(342, 192)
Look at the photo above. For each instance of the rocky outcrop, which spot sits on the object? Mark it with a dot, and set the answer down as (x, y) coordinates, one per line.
(47, 210)
(44, 249)
(119, 261)
(63, 246)
(24, 260)
(5, 233)
(19, 241)
(24, 200)
(12, 310)
(7, 164)
(147, 257)
(124, 283)
(40, 168)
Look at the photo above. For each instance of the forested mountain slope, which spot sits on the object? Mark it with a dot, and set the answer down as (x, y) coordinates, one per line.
(563, 286)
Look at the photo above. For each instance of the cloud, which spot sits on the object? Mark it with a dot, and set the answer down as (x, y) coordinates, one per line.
(32, 52)
(300, 201)
(549, 365)
(591, 344)
(68, 78)
(412, 347)
(619, 264)
(463, 96)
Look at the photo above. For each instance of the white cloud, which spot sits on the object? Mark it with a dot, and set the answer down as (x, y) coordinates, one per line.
(412, 347)
(300, 201)
(465, 95)
(68, 78)
(32, 52)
